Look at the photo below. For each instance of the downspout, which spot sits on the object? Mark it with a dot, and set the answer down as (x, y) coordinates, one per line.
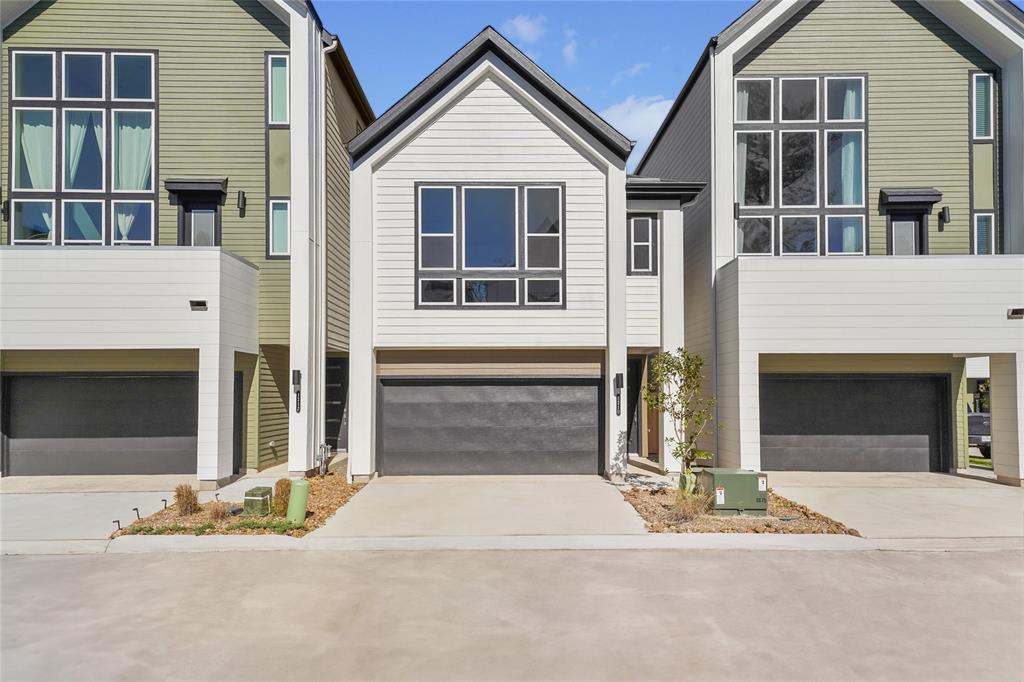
(322, 234)
(712, 63)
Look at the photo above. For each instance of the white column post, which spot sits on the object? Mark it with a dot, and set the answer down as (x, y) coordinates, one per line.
(1007, 377)
(616, 429)
(362, 383)
(216, 411)
(671, 314)
(303, 289)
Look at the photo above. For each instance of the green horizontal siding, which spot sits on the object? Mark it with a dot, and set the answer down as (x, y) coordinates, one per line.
(211, 106)
(918, 97)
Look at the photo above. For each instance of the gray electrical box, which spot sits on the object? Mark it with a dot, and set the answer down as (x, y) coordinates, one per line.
(735, 491)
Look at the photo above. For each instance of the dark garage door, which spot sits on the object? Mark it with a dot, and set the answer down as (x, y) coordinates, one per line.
(100, 424)
(489, 427)
(854, 423)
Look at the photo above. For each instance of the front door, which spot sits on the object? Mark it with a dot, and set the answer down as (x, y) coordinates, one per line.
(907, 234)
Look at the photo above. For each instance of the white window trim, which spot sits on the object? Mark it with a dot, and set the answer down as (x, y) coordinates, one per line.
(103, 76)
(771, 169)
(53, 73)
(817, 238)
(863, 144)
(192, 224)
(518, 230)
(633, 243)
(467, 280)
(817, 165)
(270, 228)
(543, 279)
(992, 233)
(419, 292)
(527, 235)
(817, 99)
(287, 88)
(974, 107)
(771, 232)
(152, 222)
(863, 100)
(53, 148)
(421, 235)
(103, 152)
(113, 76)
(152, 149)
(863, 235)
(771, 99)
(53, 216)
(103, 222)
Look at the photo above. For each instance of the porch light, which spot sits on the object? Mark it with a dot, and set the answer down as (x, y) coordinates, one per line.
(944, 214)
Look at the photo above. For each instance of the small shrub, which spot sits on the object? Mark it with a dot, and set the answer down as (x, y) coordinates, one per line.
(282, 491)
(276, 525)
(201, 530)
(186, 500)
(218, 510)
(688, 506)
(157, 530)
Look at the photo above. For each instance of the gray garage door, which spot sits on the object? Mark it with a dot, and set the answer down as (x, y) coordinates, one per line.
(854, 423)
(489, 427)
(100, 424)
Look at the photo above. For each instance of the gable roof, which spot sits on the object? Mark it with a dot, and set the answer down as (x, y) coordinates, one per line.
(488, 41)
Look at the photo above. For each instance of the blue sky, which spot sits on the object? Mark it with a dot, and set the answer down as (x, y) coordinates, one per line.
(625, 60)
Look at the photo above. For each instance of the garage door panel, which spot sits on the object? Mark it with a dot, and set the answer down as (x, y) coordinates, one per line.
(101, 424)
(489, 427)
(853, 422)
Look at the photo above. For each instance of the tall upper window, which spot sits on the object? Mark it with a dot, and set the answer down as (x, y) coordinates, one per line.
(800, 165)
(277, 96)
(83, 147)
(983, 109)
(642, 250)
(481, 245)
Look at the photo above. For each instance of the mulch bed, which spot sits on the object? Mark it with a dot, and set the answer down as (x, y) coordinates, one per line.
(656, 506)
(326, 496)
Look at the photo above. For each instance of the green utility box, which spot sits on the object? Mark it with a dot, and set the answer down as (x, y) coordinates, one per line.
(735, 491)
(257, 500)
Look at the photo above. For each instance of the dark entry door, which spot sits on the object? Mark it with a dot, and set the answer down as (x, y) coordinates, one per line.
(489, 426)
(238, 425)
(100, 424)
(854, 422)
(907, 234)
(634, 375)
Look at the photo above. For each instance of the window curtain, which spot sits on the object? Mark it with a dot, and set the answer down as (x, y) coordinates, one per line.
(35, 144)
(850, 168)
(133, 145)
(86, 225)
(125, 218)
(741, 169)
(742, 103)
(851, 108)
(851, 237)
(79, 124)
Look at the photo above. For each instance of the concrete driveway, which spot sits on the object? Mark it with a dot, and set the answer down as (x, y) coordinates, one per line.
(912, 508)
(435, 506)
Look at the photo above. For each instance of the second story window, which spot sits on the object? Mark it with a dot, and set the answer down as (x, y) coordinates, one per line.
(481, 245)
(800, 165)
(83, 147)
(642, 235)
(982, 115)
(277, 94)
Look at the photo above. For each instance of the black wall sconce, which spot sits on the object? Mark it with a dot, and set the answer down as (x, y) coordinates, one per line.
(618, 393)
(241, 203)
(297, 388)
(944, 214)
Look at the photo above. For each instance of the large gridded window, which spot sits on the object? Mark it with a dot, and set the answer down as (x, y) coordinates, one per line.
(82, 147)
(800, 164)
(483, 245)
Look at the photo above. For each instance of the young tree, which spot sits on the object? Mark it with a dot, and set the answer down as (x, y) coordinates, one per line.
(674, 387)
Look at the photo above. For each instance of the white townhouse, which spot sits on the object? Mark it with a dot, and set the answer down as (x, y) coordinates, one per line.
(507, 276)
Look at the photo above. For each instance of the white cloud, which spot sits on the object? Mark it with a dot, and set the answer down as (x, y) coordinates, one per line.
(525, 28)
(569, 50)
(638, 118)
(634, 70)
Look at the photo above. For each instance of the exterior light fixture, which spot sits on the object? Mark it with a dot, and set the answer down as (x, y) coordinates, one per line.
(944, 214)
(241, 200)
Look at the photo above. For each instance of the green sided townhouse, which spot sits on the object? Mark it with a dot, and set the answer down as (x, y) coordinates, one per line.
(174, 259)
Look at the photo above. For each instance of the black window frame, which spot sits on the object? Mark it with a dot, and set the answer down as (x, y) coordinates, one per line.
(521, 273)
(653, 246)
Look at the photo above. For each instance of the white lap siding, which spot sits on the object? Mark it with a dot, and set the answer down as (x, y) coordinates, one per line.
(643, 311)
(489, 136)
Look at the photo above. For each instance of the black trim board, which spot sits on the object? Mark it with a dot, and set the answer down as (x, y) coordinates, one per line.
(488, 41)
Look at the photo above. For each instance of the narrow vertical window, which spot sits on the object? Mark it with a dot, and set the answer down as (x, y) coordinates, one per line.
(543, 227)
(204, 226)
(754, 168)
(984, 234)
(278, 95)
(279, 229)
(982, 106)
(83, 150)
(798, 168)
(845, 167)
(34, 145)
(642, 238)
(437, 228)
(133, 151)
